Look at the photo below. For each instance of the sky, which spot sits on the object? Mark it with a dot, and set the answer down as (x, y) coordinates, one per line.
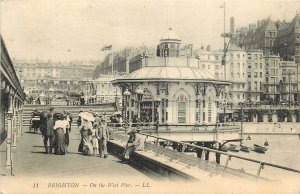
(78, 29)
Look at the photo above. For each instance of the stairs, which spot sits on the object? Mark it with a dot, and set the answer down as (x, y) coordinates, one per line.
(74, 110)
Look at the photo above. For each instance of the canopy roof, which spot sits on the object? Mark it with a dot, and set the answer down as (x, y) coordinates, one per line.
(171, 73)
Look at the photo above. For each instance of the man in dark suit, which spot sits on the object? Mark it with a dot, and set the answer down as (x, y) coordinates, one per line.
(49, 133)
(103, 137)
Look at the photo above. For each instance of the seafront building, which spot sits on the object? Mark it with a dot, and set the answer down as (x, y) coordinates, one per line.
(275, 38)
(56, 79)
(256, 78)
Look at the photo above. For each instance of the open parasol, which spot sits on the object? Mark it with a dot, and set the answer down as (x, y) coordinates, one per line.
(87, 116)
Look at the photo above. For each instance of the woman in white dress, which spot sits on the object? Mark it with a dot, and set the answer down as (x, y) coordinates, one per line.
(60, 127)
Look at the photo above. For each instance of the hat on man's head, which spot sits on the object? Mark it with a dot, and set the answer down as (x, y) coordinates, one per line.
(97, 119)
(49, 115)
(131, 130)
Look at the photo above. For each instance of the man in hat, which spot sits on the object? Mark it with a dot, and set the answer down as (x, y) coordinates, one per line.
(131, 145)
(103, 137)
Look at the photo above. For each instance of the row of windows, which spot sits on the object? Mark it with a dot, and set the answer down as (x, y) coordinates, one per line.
(255, 56)
(255, 75)
(255, 65)
(255, 86)
(238, 56)
(288, 71)
(237, 75)
(238, 65)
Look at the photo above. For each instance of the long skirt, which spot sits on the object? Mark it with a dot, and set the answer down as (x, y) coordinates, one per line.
(84, 134)
(67, 139)
(60, 146)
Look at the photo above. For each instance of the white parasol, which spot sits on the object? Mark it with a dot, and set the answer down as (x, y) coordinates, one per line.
(87, 116)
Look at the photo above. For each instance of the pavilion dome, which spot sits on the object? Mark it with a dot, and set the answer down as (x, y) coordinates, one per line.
(170, 35)
(170, 73)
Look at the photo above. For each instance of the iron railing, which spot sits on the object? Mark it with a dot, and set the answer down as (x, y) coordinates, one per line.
(191, 160)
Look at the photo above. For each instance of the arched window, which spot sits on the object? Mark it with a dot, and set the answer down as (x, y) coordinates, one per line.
(209, 110)
(182, 108)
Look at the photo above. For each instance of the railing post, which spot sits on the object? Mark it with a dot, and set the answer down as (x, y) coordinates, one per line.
(183, 147)
(203, 153)
(14, 126)
(9, 162)
(261, 166)
(227, 161)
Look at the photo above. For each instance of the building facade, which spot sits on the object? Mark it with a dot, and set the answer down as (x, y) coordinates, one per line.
(288, 81)
(255, 75)
(261, 36)
(39, 76)
(275, 38)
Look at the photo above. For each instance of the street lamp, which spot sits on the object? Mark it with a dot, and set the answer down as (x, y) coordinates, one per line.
(157, 104)
(241, 104)
(146, 58)
(51, 92)
(218, 101)
(226, 92)
(139, 97)
(126, 95)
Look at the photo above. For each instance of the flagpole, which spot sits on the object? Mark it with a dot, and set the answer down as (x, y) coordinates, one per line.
(224, 27)
(112, 62)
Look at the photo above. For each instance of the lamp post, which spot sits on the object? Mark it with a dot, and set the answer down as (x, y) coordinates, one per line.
(157, 103)
(224, 110)
(51, 92)
(126, 95)
(146, 58)
(241, 104)
(139, 97)
(225, 102)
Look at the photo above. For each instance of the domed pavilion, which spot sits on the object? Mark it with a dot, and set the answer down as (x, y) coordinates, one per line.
(171, 96)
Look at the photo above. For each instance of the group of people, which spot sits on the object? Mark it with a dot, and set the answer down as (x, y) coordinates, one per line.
(55, 129)
(116, 120)
(94, 136)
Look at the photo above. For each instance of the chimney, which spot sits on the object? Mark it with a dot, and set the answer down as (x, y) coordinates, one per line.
(259, 23)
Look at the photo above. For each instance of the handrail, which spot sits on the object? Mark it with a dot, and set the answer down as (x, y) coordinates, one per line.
(179, 125)
(224, 153)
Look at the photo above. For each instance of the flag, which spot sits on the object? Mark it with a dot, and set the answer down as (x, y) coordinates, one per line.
(109, 47)
(222, 6)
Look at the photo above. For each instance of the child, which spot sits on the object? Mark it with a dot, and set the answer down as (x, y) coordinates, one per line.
(95, 138)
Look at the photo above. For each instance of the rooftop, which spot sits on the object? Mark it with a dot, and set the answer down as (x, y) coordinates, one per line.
(170, 73)
(170, 35)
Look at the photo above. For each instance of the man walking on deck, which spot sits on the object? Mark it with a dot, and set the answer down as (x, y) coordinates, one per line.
(103, 137)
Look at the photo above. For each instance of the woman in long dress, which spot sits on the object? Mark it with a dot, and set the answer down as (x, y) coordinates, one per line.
(85, 131)
(60, 127)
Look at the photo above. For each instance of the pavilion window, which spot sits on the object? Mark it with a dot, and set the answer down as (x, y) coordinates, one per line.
(181, 109)
(209, 111)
